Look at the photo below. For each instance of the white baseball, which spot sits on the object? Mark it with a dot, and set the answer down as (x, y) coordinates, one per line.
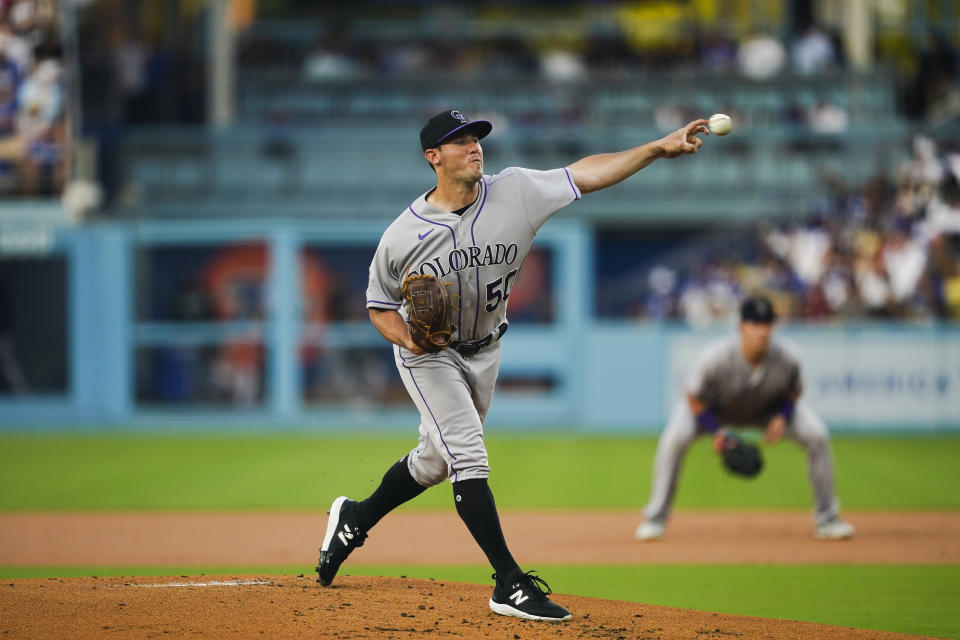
(720, 124)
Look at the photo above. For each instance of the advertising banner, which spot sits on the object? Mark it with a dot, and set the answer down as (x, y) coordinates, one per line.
(861, 378)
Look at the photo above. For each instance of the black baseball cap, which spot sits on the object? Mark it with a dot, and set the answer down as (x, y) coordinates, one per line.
(446, 123)
(757, 309)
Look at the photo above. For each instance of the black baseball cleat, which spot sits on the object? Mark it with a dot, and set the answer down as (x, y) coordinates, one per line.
(343, 536)
(526, 597)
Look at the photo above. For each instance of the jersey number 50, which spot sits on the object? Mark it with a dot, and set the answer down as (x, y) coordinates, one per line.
(494, 293)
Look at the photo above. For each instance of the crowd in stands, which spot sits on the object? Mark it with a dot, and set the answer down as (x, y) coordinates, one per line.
(926, 76)
(889, 249)
(341, 53)
(927, 71)
(33, 122)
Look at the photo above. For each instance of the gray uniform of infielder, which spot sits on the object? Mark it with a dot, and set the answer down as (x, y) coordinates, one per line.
(740, 394)
(472, 231)
(478, 254)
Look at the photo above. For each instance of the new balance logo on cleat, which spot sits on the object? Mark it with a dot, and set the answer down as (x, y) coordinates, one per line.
(346, 535)
(526, 597)
(342, 512)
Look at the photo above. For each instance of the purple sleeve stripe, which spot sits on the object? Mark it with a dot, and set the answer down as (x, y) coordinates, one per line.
(576, 193)
(389, 304)
(787, 409)
(708, 422)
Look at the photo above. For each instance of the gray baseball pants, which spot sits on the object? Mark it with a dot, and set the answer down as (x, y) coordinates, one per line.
(806, 428)
(453, 396)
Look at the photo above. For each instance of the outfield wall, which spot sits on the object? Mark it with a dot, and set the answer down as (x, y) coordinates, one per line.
(857, 376)
(126, 365)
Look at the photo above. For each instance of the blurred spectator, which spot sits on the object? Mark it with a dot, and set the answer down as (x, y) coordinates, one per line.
(813, 51)
(660, 301)
(942, 216)
(40, 129)
(710, 295)
(919, 178)
(560, 65)
(330, 59)
(33, 131)
(904, 261)
(806, 250)
(761, 56)
(9, 105)
(10, 78)
(837, 285)
(16, 48)
(43, 91)
(827, 118)
(862, 255)
(718, 53)
(32, 19)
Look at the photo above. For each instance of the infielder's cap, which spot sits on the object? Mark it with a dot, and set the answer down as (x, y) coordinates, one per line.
(757, 309)
(446, 123)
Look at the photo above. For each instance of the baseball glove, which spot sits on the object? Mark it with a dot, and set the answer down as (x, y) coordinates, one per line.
(740, 456)
(429, 317)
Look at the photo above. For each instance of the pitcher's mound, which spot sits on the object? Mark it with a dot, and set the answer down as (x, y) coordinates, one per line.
(355, 607)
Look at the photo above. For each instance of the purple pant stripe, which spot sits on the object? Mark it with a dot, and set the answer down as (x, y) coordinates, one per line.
(427, 405)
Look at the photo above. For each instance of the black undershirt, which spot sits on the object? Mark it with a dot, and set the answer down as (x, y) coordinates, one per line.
(459, 211)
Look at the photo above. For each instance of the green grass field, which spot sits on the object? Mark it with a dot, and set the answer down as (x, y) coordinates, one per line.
(284, 472)
(156, 472)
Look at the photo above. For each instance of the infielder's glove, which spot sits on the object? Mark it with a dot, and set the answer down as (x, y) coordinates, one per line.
(430, 316)
(740, 456)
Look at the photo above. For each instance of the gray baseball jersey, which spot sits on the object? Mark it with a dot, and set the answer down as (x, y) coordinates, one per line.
(738, 393)
(478, 253)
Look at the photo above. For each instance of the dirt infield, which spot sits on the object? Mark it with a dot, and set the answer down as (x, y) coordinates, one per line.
(270, 539)
(357, 607)
(383, 608)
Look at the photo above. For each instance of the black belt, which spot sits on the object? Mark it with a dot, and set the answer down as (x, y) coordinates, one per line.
(469, 348)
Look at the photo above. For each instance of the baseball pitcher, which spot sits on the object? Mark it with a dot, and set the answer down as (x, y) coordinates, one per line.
(439, 286)
(745, 380)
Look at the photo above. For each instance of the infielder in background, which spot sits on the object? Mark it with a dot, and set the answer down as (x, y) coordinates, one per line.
(472, 231)
(745, 380)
